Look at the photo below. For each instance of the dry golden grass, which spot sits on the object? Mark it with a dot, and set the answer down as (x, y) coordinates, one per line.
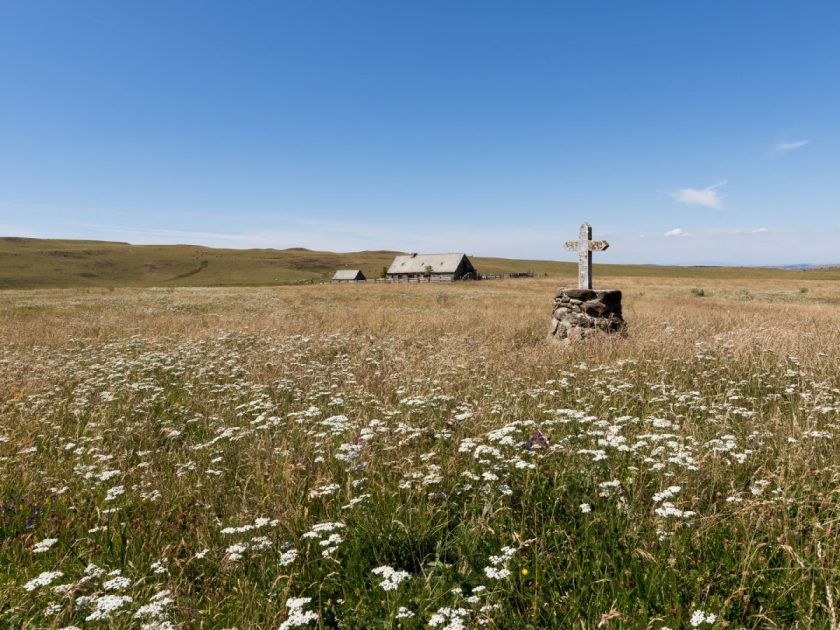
(499, 324)
(493, 316)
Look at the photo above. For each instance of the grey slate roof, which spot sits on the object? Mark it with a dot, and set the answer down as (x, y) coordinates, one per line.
(417, 263)
(348, 274)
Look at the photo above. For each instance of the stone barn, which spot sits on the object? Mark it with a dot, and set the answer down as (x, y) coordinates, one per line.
(431, 268)
(348, 275)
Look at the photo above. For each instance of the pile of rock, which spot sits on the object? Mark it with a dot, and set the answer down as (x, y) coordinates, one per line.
(580, 313)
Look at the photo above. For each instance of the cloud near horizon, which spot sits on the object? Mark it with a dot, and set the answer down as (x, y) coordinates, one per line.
(699, 246)
(784, 147)
(707, 197)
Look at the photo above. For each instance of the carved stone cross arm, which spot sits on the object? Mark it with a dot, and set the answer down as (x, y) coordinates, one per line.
(594, 246)
(585, 246)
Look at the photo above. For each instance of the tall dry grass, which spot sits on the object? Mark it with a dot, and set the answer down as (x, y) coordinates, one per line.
(446, 437)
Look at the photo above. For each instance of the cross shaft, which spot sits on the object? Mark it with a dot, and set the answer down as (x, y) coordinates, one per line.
(585, 246)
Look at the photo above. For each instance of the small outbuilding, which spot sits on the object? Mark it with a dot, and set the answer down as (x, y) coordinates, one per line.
(348, 275)
(431, 268)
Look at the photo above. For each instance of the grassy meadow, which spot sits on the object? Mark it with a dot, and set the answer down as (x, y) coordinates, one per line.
(395, 456)
(28, 263)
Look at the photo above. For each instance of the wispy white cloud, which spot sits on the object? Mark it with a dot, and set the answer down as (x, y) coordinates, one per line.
(784, 147)
(742, 231)
(708, 197)
(676, 232)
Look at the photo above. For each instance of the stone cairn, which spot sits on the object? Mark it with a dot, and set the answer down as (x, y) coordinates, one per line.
(582, 312)
(579, 313)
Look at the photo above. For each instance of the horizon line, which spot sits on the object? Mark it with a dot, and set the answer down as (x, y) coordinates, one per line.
(789, 266)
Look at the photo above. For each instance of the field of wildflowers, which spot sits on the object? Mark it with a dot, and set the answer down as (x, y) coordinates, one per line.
(411, 457)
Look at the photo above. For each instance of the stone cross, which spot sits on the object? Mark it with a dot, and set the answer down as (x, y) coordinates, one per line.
(585, 246)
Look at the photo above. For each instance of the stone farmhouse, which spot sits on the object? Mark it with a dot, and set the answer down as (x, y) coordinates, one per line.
(348, 275)
(431, 268)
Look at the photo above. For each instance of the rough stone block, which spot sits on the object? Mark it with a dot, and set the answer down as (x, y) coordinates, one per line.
(595, 308)
(581, 313)
(578, 294)
(610, 298)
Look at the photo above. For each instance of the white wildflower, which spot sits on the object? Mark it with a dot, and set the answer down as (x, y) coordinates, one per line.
(235, 552)
(93, 571)
(288, 557)
(667, 510)
(667, 493)
(320, 528)
(44, 545)
(332, 540)
(260, 543)
(495, 573)
(105, 475)
(45, 579)
(116, 584)
(297, 615)
(698, 618)
(449, 618)
(506, 554)
(391, 578)
(156, 608)
(114, 492)
(404, 613)
(325, 491)
(104, 605)
(355, 501)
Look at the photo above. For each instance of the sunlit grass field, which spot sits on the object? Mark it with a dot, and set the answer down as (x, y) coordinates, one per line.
(393, 456)
(27, 263)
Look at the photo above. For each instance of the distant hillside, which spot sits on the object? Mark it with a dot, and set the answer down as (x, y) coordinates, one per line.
(39, 263)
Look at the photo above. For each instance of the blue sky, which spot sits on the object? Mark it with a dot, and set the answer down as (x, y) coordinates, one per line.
(685, 132)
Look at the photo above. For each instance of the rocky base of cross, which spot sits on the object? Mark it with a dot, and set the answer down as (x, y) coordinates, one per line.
(581, 313)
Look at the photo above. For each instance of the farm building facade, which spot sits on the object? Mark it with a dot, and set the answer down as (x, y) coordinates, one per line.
(431, 268)
(348, 275)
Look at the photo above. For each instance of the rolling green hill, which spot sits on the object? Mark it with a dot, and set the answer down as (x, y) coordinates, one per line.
(37, 263)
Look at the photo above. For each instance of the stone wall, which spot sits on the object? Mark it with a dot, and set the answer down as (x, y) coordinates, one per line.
(579, 313)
